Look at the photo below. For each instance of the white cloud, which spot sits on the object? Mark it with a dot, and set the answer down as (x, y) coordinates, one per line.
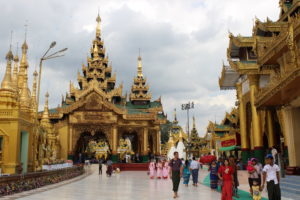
(183, 44)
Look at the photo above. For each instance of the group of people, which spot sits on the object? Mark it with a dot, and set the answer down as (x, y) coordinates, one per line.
(223, 173)
(178, 169)
(159, 169)
(109, 168)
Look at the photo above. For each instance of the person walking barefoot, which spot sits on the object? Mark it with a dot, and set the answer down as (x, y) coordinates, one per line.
(175, 172)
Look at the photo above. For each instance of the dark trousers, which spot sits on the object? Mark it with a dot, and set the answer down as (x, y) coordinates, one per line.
(195, 175)
(175, 180)
(273, 191)
(100, 169)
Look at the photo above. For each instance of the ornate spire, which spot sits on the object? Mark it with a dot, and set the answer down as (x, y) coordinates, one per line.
(98, 30)
(95, 52)
(140, 67)
(24, 95)
(15, 71)
(181, 137)
(175, 117)
(34, 86)
(6, 82)
(171, 140)
(22, 76)
(139, 90)
(46, 108)
(194, 123)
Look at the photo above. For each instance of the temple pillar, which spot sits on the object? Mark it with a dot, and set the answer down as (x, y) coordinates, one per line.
(291, 118)
(70, 142)
(270, 129)
(158, 142)
(257, 136)
(243, 125)
(145, 144)
(114, 144)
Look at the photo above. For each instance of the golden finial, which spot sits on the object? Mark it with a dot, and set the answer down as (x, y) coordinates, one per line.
(194, 123)
(7, 79)
(15, 70)
(175, 116)
(98, 20)
(140, 66)
(24, 49)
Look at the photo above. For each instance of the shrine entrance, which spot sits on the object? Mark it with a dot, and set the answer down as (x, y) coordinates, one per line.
(91, 146)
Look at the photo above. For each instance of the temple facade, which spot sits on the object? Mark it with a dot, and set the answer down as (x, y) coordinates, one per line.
(264, 70)
(95, 119)
(223, 139)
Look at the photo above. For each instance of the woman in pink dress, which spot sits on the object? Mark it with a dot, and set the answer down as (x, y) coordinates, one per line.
(165, 169)
(152, 169)
(159, 167)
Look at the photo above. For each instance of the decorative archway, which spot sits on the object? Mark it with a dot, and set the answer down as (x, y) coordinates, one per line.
(84, 142)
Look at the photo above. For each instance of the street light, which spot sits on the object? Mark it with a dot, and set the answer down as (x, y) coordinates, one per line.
(45, 57)
(187, 107)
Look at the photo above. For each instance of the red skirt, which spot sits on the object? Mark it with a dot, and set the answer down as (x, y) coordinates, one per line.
(227, 190)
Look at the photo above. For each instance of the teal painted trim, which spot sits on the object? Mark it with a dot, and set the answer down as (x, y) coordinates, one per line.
(145, 159)
(24, 150)
(245, 156)
(114, 158)
(243, 195)
(259, 154)
(230, 148)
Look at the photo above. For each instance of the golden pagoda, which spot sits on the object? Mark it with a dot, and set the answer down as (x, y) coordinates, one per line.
(93, 116)
(17, 124)
(264, 70)
(97, 112)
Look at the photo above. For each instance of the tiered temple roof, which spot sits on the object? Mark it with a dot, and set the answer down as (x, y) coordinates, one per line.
(140, 94)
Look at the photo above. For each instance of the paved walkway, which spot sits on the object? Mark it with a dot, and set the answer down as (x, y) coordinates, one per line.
(123, 186)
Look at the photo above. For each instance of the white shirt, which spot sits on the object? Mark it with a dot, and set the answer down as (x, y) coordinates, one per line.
(195, 164)
(271, 172)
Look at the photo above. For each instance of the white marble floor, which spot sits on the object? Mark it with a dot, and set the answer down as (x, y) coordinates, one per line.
(123, 186)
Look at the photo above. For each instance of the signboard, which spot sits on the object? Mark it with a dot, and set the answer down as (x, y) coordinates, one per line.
(227, 143)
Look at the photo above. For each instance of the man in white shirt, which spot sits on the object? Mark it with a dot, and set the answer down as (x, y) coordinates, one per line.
(271, 175)
(194, 167)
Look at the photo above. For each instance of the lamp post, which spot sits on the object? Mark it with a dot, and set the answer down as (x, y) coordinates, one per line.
(187, 107)
(46, 57)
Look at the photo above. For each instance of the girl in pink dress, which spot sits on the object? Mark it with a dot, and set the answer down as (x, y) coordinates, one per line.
(152, 169)
(165, 169)
(159, 167)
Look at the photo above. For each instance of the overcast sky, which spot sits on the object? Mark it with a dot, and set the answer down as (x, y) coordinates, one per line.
(183, 44)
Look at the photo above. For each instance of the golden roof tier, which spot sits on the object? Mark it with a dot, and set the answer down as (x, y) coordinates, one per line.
(140, 91)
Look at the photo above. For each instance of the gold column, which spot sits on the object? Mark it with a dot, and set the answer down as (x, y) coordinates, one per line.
(158, 142)
(145, 138)
(114, 139)
(70, 139)
(242, 115)
(257, 136)
(270, 125)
